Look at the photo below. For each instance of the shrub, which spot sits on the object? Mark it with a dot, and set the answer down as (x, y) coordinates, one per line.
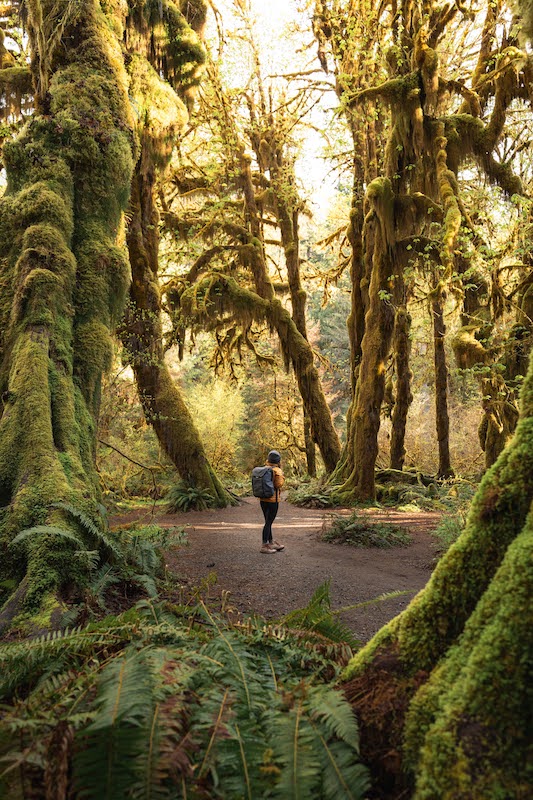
(358, 531)
(181, 498)
(309, 496)
(448, 531)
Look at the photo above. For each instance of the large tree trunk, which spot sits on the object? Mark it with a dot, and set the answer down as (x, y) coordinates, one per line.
(68, 183)
(290, 238)
(356, 328)
(442, 692)
(379, 322)
(142, 335)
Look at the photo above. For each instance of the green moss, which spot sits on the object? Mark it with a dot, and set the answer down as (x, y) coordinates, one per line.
(42, 617)
(467, 730)
(160, 112)
(68, 185)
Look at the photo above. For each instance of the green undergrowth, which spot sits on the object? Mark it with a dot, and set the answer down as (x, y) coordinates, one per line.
(446, 496)
(177, 700)
(310, 495)
(359, 531)
(188, 498)
(89, 558)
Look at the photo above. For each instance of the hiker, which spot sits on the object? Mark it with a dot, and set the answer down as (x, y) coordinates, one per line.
(270, 505)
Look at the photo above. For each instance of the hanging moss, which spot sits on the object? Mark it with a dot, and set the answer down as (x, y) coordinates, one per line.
(468, 350)
(170, 43)
(467, 137)
(160, 113)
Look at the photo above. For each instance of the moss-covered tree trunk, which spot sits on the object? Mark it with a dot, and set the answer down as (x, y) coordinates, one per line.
(403, 396)
(142, 335)
(441, 388)
(289, 228)
(64, 282)
(443, 692)
(379, 323)
(356, 328)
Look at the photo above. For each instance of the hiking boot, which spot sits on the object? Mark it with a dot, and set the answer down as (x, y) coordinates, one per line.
(268, 548)
(277, 546)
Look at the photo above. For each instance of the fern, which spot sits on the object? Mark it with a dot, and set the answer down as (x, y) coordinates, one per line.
(167, 702)
(317, 616)
(358, 531)
(181, 498)
(94, 532)
(105, 761)
(342, 776)
(293, 739)
(147, 583)
(103, 579)
(45, 530)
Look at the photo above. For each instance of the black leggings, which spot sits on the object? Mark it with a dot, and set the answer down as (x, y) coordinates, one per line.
(270, 511)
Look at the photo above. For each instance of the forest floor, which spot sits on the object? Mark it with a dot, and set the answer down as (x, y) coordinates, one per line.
(224, 544)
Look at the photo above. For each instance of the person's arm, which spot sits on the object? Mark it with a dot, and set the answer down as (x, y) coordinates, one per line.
(279, 478)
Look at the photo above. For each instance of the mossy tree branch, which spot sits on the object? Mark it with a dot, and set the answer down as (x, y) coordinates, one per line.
(216, 295)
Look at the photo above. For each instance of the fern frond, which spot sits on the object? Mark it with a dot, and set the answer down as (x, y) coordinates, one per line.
(46, 530)
(104, 578)
(24, 662)
(381, 598)
(293, 739)
(342, 776)
(94, 532)
(91, 558)
(317, 616)
(334, 713)
(147, 583)
(106, 759)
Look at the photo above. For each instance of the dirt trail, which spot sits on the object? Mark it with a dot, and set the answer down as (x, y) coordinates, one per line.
(226, 542)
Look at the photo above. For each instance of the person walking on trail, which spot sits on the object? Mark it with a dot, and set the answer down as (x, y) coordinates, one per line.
(270, 505)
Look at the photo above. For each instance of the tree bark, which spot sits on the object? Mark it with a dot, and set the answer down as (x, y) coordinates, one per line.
(68, 184)
(441, 387)
(403, 396)
(142, 335)
(310, 449)
(288, 223)
(356, 328)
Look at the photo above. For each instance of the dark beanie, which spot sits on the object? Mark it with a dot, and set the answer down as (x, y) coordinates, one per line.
(274, 457)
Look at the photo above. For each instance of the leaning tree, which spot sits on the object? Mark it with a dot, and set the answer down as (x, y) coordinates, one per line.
(165, 63)
(235, 204)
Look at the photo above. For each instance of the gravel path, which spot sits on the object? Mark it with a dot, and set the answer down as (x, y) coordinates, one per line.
(227, 541)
